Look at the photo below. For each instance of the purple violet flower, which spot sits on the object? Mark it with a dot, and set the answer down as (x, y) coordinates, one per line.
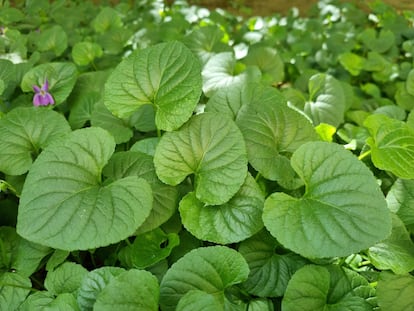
(42, 96)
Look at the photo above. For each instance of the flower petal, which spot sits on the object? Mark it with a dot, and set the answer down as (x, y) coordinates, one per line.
(49, 98)
(36, 89)
(37, 100)
(45, 87)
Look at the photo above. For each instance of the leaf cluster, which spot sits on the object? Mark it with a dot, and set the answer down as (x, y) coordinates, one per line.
(197, 160)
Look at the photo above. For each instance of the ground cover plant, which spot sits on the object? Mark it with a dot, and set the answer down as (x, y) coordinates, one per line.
(167, 157)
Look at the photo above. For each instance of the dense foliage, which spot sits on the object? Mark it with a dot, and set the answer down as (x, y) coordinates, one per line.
(166, 156)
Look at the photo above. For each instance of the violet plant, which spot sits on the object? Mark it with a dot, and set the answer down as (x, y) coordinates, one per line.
(42, 96)
(186, 159)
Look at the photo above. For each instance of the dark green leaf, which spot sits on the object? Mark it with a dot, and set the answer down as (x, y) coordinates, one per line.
(166, 76)
(231, 222)
(210, 146)
(209, 269)
(63, 191)
(25, 132)
(327, 220)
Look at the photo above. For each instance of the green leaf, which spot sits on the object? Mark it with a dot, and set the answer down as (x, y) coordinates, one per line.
(63, 191)
(25, 132)
(352, 62)
(84, 53)
(272, 132)
(330, 218)
(326, 101)
(325, 131)
(131, 290)
(93, 283)
(392, 145)
(19, 255)
(46, 301)
(402, 97)
(58, 257)
(166, 75)
(197, 300)
(13, 290)
(231, 222)
(327, 288)
(8, 72)
(144, 119)
(395, 292)
(378, 42)
(271, 267)
(392, 111)
(221, 72)
(209, 269)
(396, 252)
(261, 304)
(400, 200)
(10, 15)
(269, 62)
(108, 18)
(146, 145)
(148, 249)
(86, 93)
(410, 82)
(113, 41)
(53, 39)
(235, 99)
(206, 42)
(61, 78)
(66, 278)
(210, 146)
(165, 197)
(102, 117)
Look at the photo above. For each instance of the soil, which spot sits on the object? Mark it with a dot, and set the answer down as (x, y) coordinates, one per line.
(268, 7)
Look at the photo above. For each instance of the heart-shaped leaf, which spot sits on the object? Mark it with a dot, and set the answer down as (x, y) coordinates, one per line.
(73, 210)
(25, 132)
(231, 222)
(66, 278)
(220, 72)
(210, 269)
(166, 76)
(392, 145)
(210, 146)
(271, 267)
(327, 101)
(131, 290)
(327, 288)
(330, 219)
(93, 283)
(269, 62)
(84, 53)
(379, 42)
(206, 42)
(272, 132)
(165, 201)
(61, 78)
(53, 39)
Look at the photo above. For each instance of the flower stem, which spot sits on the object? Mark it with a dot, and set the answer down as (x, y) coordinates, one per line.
(364, 155)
